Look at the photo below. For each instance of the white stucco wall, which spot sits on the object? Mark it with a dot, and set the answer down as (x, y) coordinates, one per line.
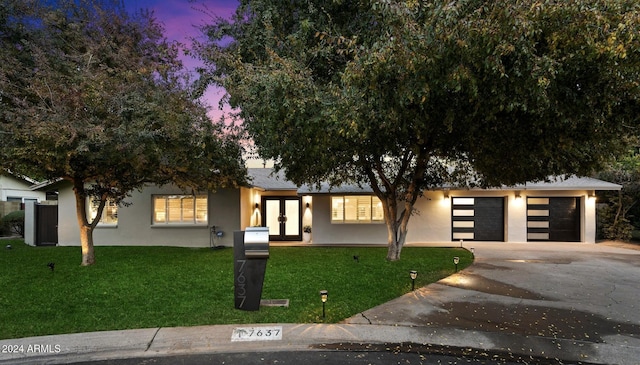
(11, 187)
(324, 232)
(135, 227)
(431, 222)
(234, 209)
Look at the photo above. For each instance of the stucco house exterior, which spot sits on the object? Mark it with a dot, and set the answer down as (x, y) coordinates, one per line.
(559, 211)
(16, 188)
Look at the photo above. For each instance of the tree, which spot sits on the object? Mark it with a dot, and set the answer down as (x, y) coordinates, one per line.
(619, 213)
(409, 95)
(97, 97)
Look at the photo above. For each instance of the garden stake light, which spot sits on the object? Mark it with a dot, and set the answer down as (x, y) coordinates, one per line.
(456, 260)
(413, 274)
(323, 296)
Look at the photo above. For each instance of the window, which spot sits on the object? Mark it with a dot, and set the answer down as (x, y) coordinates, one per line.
(180, 209)
(109, 213)
(356, 209)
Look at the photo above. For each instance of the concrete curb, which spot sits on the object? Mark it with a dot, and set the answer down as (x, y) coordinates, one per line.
(155, 342)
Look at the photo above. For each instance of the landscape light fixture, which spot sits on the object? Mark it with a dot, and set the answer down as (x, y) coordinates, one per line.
(456, 260)
(473, 250)
(413, 274)
(307, 204)
(257, 205)
(323, 296)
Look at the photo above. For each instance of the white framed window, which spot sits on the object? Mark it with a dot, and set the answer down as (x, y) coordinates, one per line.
(179, 209)
(109, 213)
(356, 209)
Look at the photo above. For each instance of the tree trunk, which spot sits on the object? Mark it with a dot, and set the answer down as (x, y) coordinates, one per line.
(86, 229)
(396, 230)
(86, 241)
(397, 238)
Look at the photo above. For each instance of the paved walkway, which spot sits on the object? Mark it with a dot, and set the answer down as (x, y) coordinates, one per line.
(572, 302)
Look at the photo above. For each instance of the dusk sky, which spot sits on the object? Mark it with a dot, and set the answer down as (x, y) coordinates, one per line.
(179, 18)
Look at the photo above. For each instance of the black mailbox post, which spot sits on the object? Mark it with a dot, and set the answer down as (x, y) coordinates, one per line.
(250, 253)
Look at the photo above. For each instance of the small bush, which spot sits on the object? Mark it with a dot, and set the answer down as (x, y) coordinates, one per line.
(14, 222)
(609, 229)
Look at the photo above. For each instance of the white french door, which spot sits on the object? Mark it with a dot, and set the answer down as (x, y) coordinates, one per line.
(282, 216)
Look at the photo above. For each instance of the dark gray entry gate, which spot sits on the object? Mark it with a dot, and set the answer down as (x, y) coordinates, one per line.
(46, 224)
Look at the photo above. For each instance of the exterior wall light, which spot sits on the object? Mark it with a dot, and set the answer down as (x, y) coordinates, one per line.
(413, 274)
(323, 296)
(456, 261)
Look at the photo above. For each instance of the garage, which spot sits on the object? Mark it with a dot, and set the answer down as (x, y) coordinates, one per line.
(478, 219)
(553, 219)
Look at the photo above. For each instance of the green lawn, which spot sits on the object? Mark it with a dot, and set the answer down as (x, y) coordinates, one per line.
(143, 287)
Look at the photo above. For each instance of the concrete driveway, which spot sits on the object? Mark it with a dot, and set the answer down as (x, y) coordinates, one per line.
(569, 301)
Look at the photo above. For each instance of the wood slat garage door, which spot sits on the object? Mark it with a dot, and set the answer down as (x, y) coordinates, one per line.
(477, 219)
(553, 219)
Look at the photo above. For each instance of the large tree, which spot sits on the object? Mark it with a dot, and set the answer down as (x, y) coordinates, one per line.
(97, 97)
(408, 95)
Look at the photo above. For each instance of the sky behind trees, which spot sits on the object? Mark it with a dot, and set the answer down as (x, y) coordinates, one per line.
(180, 18)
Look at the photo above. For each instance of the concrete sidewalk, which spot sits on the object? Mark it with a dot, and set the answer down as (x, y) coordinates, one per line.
(573, 302)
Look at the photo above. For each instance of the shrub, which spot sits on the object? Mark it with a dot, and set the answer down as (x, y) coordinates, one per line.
(611, 229)
(14, 222)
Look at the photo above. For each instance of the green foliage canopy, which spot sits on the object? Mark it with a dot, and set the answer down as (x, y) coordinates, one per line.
(97, 97)
(408, 95)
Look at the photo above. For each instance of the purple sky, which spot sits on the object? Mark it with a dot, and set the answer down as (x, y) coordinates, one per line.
(179, 18)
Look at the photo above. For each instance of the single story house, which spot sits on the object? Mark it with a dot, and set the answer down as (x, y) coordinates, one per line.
(561, 211)
(15, 191)
(17, 188)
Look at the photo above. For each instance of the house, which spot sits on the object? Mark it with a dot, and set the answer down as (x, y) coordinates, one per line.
(15, 191)
(562, 211)
(17, 188)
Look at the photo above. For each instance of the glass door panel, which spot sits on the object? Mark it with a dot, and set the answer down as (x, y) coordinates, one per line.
(272, 217)
(292, 212)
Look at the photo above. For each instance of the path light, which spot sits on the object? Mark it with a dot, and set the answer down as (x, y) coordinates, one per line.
(456, 260)
(323, 296)
(473, 250)
(461, 242)
(413, 274)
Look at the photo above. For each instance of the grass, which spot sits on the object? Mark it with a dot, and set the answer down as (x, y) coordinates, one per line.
(145, 287)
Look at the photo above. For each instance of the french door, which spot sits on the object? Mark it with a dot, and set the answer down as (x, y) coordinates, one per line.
(282, 216)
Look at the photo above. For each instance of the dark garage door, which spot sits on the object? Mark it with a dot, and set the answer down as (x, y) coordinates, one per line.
(553, 219)
(477, 219)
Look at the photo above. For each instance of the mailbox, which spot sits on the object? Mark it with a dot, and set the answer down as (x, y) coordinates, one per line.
(250, 252)
(256, 242)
